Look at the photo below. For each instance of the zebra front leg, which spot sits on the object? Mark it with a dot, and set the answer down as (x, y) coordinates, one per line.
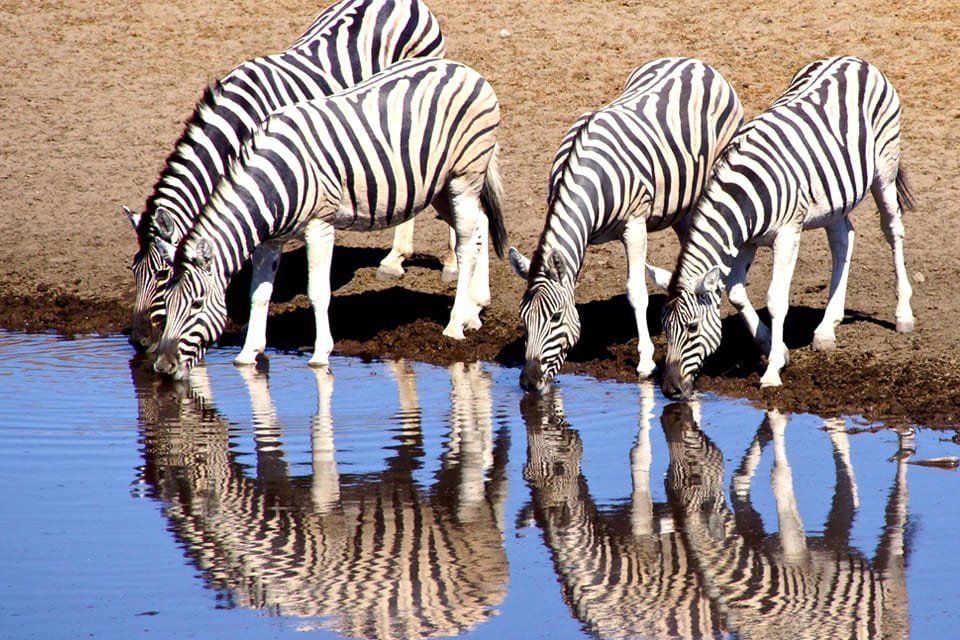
(635, 244)
(319, 236)
(470, 222)
(840, 235)
(265, 260)
(785, 249)
(891, 220)
(392, 265)
(737, 295)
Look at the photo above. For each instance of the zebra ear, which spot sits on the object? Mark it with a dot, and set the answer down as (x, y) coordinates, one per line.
(163, 224)
(708, 283)
(659, 277)
(134, 218)
(520, 263)
(557, 270)
(203, 257)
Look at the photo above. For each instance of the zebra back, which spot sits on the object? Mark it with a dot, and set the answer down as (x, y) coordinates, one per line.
(648, 152)
(808, 159)
(348, 42)
(369, 157)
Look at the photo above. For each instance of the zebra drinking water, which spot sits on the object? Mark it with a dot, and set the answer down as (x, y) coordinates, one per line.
(347, 43)
(423, 131)
(634, 166)
(804, 163)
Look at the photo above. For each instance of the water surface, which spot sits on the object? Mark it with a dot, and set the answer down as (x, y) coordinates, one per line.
(397, 499)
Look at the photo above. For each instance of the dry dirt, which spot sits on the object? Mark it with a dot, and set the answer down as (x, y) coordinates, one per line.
(94, 94)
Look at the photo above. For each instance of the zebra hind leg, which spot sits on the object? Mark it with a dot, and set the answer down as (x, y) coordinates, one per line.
(886, 193)
(470, 224)
(392, 265)
(840, 236)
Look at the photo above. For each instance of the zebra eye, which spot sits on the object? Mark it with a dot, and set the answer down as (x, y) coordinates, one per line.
(693, 326)
(196, 305)
(163, 275)
(556, 317)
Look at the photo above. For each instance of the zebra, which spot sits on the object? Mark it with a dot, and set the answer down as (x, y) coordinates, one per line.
(423, 131)
(788, 585)
(635, 166)
(347, 43)
(804, 163)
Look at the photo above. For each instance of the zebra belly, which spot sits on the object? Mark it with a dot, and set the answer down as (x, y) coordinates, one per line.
(350, 218)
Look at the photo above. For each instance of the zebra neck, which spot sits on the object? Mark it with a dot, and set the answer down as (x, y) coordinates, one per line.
(566, 234)
(709, 243)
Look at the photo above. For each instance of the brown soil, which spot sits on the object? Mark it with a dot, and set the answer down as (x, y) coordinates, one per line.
(94, 93)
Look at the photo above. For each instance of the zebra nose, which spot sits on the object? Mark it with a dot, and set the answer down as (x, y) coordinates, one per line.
(673, 385)
(167, 361)
(531, 378)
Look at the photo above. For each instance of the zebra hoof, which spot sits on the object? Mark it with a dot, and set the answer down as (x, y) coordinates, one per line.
(449, 274)
(905, 325)
(824, 343)
(246, 358)
(389, 271)
(454, 331)
(474, 322)
(318, 363)
(645, 370)
(770, 379)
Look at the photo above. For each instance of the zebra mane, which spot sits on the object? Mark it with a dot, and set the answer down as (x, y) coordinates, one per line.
(536, 260)
(208, 101)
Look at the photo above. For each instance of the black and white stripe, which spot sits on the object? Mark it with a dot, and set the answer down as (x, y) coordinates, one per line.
(804, 163)
(424, 131)
(347, 43)
(634, 166)
(786, 584)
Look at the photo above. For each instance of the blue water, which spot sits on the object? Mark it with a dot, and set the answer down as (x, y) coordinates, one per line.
(409, 500)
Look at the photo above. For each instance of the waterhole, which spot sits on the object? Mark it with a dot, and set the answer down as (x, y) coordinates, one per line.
(403, 500)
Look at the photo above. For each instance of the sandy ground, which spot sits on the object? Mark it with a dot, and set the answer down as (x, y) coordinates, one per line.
(94, 93)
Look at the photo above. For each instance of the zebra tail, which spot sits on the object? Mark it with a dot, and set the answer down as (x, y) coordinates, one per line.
(904, 194)
(491, 197)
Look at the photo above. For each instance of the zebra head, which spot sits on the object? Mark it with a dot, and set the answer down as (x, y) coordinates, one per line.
(151, 269)
(691, 324)
(549, 315)
(196, 312)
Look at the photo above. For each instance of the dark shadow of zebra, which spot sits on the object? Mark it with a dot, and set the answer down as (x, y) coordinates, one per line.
(368, 555)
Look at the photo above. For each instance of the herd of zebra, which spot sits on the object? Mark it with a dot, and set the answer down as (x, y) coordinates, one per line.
(362, 123)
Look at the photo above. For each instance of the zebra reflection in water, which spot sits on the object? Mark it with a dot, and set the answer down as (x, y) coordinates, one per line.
(696, 568)
(788, 585)
(372, 555)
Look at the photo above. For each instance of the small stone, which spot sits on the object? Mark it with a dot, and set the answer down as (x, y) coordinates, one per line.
(504, 34)
(919, 278)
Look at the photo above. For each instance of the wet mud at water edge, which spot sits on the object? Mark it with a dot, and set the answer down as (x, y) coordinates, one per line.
(90, 116)
(404, 319)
